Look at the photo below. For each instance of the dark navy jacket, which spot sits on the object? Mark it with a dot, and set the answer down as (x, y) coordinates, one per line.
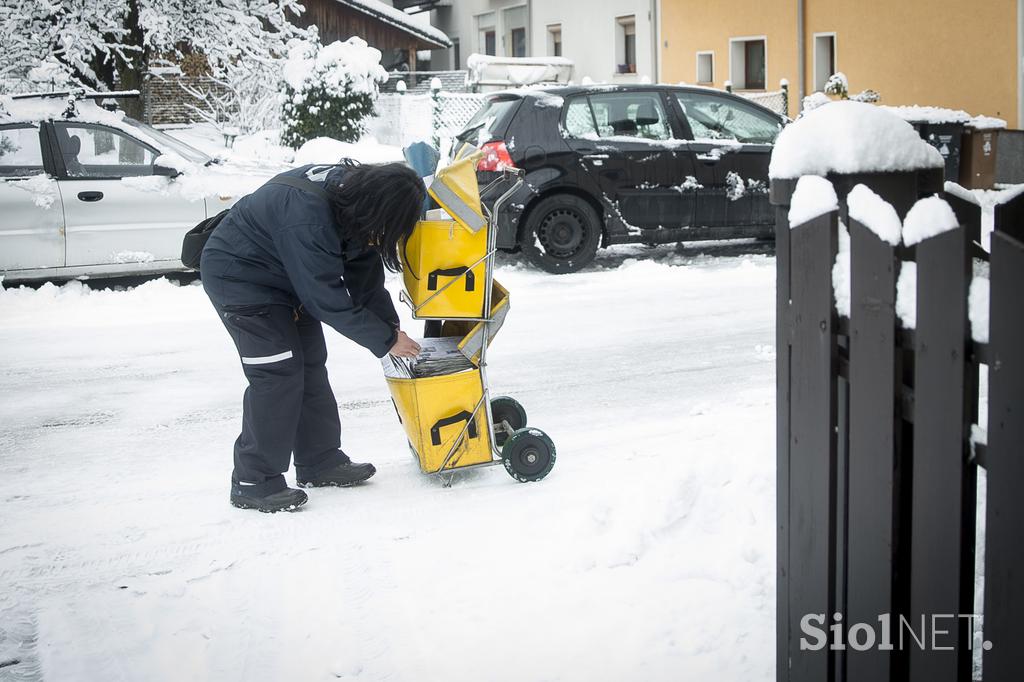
(280, 245)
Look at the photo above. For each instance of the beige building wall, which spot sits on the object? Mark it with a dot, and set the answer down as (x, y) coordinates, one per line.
(692, 26)
(929, 52)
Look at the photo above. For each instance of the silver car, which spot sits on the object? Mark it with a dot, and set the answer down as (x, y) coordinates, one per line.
(89, 192)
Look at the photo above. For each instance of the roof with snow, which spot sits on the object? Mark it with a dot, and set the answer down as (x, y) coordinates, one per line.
(400, 20)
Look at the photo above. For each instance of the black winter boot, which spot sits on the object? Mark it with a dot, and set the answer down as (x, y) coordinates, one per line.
(288, 499)
(345, 474)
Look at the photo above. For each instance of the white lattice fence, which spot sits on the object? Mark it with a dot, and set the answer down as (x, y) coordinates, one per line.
(776, 100)
(404, 119)
(454, 111)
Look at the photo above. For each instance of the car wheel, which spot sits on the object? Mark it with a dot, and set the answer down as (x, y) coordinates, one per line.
(561, 234)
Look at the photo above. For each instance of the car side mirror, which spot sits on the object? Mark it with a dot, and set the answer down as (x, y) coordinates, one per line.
(166, 171)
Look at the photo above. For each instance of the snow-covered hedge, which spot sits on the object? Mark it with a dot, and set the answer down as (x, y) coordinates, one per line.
(329, 90)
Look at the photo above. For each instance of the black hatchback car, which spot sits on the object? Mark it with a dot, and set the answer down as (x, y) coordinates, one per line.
(617, 164)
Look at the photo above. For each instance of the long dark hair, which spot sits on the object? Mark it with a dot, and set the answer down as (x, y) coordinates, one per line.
(378, 205)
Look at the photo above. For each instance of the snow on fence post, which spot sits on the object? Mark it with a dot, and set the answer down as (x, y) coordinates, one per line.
(1004, 551)
(784, 86)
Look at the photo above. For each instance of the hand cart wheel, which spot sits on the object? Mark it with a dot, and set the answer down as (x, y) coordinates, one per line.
(508, 410)
(528, 455)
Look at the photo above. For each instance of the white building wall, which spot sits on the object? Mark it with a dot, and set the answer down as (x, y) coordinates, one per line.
(591, 34)
(592, 37)
(460, 22)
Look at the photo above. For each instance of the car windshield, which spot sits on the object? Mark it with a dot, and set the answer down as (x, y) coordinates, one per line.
(490, 116)
(187, 151)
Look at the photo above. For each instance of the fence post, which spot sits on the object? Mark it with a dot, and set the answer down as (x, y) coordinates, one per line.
(435, 111)
(873, 462)
(784, 85)
(806, 456)
(728, 86)
(944, 484)
(783, 342)
(1004, 528)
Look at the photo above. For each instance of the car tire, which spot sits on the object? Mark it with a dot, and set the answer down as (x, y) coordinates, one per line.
(561, 234)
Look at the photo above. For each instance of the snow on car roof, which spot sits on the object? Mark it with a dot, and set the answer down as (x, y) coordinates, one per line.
(36, 109)
(476, 59)
(195, 183)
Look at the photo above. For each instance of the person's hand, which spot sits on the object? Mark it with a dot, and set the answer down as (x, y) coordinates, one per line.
(405, 347)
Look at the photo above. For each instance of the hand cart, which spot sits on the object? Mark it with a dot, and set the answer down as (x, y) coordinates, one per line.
(451, 421)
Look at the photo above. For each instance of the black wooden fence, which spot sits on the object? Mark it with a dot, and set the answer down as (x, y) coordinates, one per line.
(877, 471)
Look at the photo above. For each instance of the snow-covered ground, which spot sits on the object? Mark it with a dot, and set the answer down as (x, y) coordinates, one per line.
(647, 554)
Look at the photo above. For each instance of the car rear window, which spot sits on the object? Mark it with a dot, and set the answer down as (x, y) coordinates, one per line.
(19, 151)
(491, 117)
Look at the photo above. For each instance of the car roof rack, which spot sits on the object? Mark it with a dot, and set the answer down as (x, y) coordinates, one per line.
(79, 94)
(73, 96)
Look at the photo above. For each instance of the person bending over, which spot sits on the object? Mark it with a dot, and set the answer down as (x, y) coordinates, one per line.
(285, 259)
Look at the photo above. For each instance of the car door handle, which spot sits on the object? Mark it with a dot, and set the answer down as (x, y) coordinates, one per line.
(90, 196)
(595, 156)
(709, 158)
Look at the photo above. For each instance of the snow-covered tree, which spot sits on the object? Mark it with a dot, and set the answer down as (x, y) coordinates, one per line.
(72, 35)
(108, 44)
(329, 91)
(243, 95)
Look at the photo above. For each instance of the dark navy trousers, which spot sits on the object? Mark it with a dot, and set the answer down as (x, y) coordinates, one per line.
(289, 407)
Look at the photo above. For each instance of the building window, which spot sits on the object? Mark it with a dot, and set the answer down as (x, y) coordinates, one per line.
(748, 63)
(555, 40)
(626, 44)
(705, 67)
(486, 34)
(456, 55)
(824, 58)
(518, 40)
(515, 31)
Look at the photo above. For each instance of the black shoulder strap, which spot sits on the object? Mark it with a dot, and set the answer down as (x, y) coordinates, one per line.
(300, 184)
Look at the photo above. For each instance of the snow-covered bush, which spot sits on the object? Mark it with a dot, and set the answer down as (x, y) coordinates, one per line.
(869, 96)
(815, 100)
(329, 90)
(838, 85)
